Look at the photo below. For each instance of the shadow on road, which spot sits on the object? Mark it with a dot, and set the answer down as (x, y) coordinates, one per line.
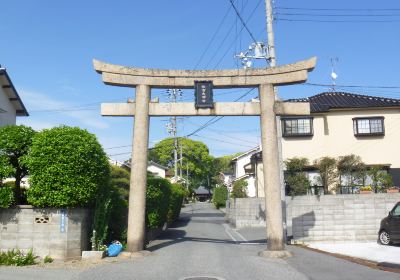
(175, 236)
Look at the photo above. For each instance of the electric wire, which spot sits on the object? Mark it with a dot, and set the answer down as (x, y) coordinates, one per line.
(234, 41)
(242, 21)
(335, 9)
(213, 37)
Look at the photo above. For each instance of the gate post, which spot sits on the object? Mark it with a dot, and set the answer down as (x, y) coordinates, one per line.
(138, 180)
(273, 203)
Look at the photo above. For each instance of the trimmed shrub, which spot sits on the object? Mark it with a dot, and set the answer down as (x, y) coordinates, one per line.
(220, 196)
(239, 189)
(68, 167)
(178, 193)
(119, 204)
(6, 196)
(157, 202)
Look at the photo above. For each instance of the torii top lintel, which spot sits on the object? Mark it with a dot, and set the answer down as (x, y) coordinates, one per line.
(131, 76)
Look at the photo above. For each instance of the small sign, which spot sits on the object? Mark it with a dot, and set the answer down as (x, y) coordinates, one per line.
(203, 92)
(63, 220)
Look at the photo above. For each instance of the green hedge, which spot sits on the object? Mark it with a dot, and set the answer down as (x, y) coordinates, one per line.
(157, 201)
(68, 167)
(6, 196)
(220, 196)
(178, 193)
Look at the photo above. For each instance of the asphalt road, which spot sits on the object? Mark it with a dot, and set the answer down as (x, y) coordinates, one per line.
(202, 245)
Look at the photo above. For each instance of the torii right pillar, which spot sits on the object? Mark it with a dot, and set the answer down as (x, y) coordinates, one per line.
(271, 172)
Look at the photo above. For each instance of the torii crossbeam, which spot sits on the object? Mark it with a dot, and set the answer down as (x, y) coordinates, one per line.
(267, 108)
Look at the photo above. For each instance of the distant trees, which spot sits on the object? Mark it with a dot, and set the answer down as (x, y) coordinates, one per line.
(197, 159)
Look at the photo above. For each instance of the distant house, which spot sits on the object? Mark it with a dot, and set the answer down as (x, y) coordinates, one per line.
(341, 124)
(202, 194)
(157, 169)
(226, 179)
(11, 104)
(152, 167)
(239, 163)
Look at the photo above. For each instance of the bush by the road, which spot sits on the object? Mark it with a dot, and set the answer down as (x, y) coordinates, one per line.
(157, 201)
(220, 196)
(178, 193)
(68, 167)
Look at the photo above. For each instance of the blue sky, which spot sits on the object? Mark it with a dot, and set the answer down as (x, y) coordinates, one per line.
(48, 47)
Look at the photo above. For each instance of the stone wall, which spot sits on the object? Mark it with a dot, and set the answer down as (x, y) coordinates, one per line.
(326, 218)
(59, 233)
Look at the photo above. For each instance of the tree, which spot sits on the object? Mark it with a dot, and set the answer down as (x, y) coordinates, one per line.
(296, 179)
(196, 158)
(353, 168)
(327, 171)
(381, 180)
(15, 142)
(239, 189)
(68, 168)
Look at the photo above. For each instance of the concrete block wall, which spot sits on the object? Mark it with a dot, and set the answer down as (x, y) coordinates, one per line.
(326, 218)
(59, 233)
(338, 218)
(246, 212)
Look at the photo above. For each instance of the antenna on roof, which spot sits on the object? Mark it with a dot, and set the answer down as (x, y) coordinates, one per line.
(334, 76)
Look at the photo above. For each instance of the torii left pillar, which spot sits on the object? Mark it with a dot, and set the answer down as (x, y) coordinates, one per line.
(137, 195)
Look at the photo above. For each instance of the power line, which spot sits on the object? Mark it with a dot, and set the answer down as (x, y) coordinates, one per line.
(337, 15)
(234, 41)
(215, 119)
(223, 141)
(213, 37)
(354, 86)
(336, 21)
(336, 9)
(242, 21)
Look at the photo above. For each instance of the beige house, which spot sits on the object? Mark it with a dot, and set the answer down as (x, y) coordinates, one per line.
(341, 124)
(11, 104)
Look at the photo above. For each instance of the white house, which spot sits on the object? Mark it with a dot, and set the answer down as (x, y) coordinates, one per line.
(341, 124)
(157, 169)
(11, 104)
(239, 171)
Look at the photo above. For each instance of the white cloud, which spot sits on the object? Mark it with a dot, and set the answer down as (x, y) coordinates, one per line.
(39, 102)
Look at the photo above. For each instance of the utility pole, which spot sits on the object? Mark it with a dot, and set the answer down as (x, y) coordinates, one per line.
(181, 160)
(270, 32)
(172, 128)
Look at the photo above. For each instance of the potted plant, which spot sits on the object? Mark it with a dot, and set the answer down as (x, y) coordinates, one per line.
(365, 190)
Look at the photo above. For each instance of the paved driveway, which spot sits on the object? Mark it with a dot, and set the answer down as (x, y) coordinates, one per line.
(201, 244)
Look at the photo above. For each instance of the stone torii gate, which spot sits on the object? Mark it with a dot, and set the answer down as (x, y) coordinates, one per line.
(268, 108)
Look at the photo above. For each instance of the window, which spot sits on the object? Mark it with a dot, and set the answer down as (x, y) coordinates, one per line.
(297, 127)
(368, 126)
(396, 211)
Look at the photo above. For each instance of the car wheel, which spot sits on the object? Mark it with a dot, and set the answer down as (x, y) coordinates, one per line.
(384, 238)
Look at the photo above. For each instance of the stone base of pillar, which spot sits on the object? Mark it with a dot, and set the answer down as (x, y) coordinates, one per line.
(139, 254)
(275, 254)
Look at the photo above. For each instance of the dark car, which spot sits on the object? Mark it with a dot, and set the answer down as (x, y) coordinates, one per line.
(389, 231)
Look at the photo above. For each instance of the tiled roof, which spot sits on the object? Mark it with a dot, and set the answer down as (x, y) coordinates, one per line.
(326, 101)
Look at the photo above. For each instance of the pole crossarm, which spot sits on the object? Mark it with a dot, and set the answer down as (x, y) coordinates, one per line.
(220, 109)
(131, 76)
